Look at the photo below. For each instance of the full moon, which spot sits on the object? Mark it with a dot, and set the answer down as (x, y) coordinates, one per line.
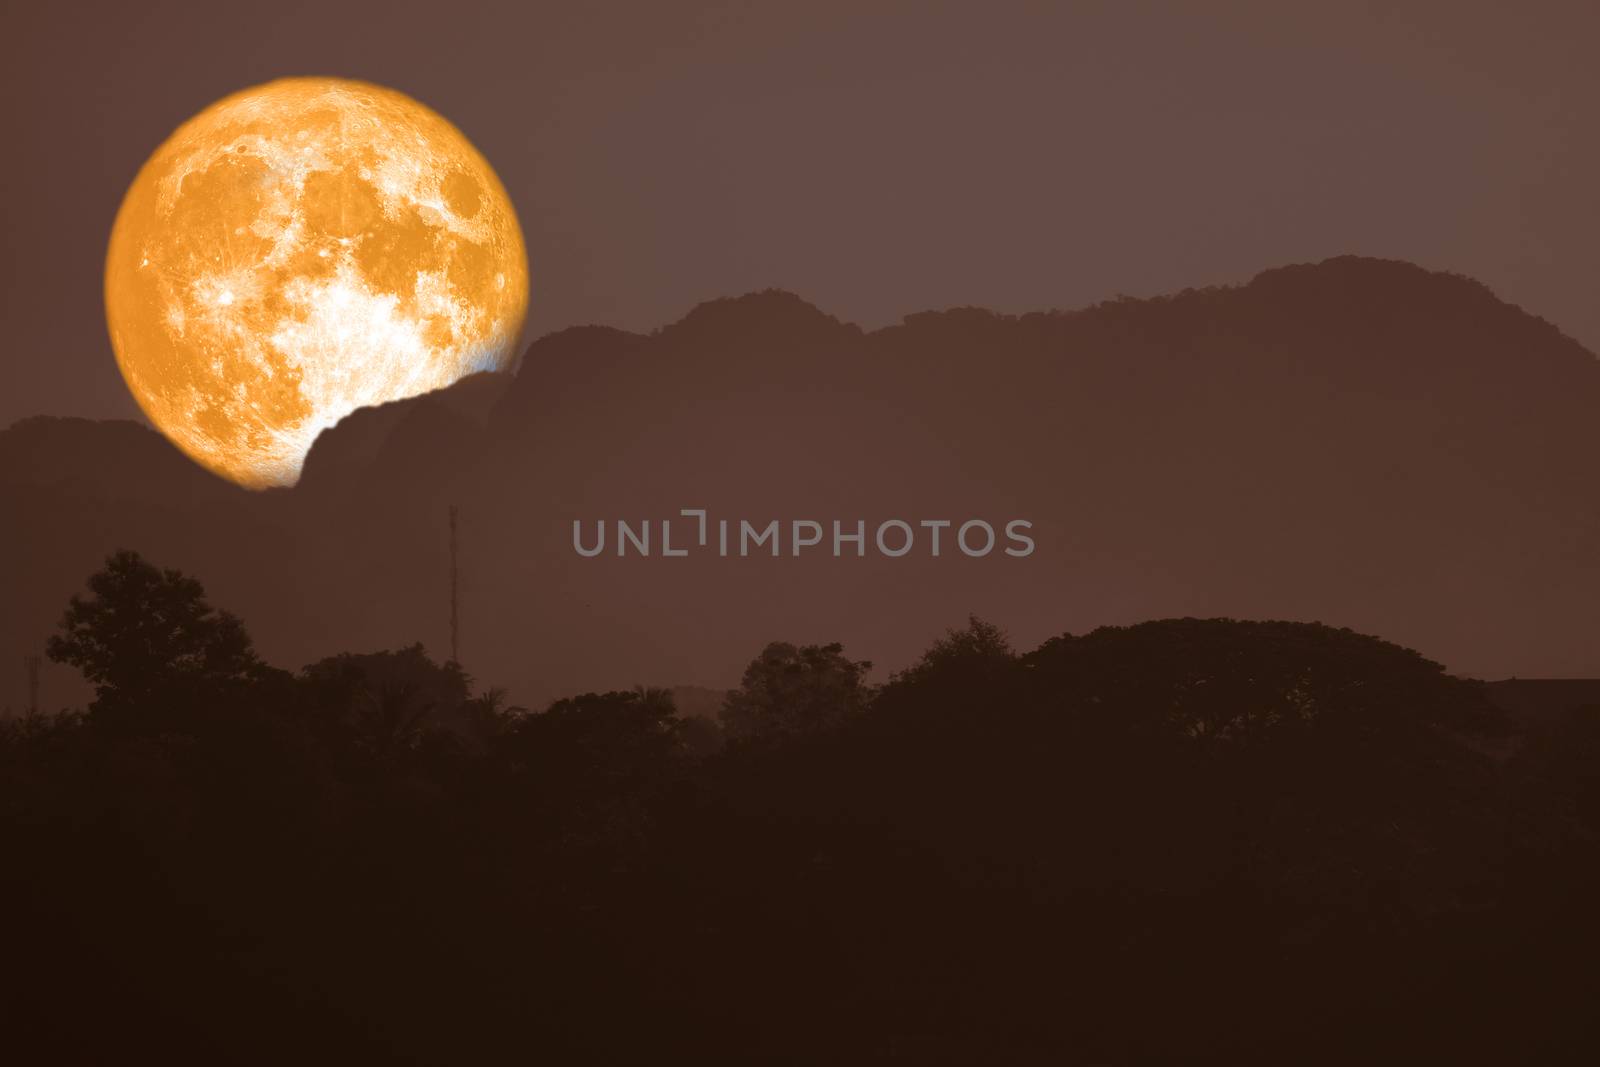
(299, 250)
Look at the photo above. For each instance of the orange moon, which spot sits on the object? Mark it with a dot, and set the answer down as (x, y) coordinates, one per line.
(299, 250)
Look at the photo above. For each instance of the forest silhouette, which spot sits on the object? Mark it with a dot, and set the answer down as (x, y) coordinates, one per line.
(1188, 840)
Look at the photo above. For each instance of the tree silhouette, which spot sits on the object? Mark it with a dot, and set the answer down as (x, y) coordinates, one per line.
(1231, 681)
(149, 641)
(389, 700)
(594, 759)
(610, 737)
(973, 656)
(998, 858)
(789, 690)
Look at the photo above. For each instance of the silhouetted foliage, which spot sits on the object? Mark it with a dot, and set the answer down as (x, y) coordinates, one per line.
(148, 639)
(1250, 682)
(597, 741)
(1182, 841)
(391, 699)
(972, 665)
(795, 690)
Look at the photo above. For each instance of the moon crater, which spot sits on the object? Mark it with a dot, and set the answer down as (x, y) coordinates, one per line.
(299, 250)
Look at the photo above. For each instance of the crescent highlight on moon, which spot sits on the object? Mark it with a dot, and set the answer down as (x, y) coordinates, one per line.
(299, 250)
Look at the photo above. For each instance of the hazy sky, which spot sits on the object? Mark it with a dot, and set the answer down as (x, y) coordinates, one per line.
(876, 158)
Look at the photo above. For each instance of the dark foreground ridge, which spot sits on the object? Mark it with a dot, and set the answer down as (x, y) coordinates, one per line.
(1189, 840)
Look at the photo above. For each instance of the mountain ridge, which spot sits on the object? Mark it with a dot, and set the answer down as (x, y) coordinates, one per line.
(1357, 441)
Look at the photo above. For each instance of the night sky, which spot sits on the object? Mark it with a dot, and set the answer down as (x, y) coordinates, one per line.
(877, 159)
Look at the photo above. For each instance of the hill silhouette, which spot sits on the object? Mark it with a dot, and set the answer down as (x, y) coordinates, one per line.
(1357, 441)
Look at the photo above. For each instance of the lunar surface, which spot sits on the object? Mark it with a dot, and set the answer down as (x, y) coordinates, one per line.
(299, 250)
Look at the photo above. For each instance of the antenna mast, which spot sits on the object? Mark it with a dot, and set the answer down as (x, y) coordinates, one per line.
(455, 594)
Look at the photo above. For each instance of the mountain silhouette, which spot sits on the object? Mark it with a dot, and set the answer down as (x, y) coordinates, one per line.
(376, 436)
(1360, 442)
